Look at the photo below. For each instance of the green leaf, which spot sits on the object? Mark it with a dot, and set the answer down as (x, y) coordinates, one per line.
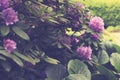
(50, 60)
(20, 33)
(106, 72)
(78, 67)
(4, 30)
(34, 59)
(40, 0)
(94, 58)
(76, 77)
(63, 20)
(49, 9)
(17, 60)
(4, 53)
(115, 61)
(103, 57)
(12, 56)
(31, 60)
(56, 72)
(2, 58)
(117, 47)
(109, 46)
(59, 45)
(53, 21)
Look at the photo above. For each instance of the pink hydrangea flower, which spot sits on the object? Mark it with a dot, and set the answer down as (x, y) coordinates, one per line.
(9, 45)
(96, 24)
(4, 4)
(10, 16)
(84, 52)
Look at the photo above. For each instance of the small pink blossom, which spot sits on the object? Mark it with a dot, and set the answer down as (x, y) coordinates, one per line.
(9, 45)
(10, 16)
(76, 24)
(79, 5)
(67, 40)
(76, 40)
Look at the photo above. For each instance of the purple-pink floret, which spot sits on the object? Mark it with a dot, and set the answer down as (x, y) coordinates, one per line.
(4, 4)
(85, 52)
(79, 5)
(74, 39)
(95, 36)
(9, 45)
(10, 16)
(67, 40)
(96, 24)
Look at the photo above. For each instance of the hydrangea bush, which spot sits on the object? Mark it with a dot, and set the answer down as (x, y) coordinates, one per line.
(52, 40)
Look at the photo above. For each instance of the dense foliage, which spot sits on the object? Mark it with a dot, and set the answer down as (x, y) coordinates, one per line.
(54, 40)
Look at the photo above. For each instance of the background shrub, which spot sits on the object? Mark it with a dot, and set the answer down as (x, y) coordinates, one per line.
(54, 40)
(107, 9)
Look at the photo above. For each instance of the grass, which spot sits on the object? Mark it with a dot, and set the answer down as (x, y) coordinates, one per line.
(98, 2)
(113, 28)
(112, 34)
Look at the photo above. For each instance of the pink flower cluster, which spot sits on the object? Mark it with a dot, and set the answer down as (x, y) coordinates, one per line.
(9, 45)
(69, 40)
(8, 14)
(85, 52)
(96, 24)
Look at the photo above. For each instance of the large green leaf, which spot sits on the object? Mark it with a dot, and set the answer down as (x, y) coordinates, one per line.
(106, 72)
(76, 77)
(109, 47)
(103, 57)
(115, 61)
(78, 67)
(4, 30)
(56, 72)
(20, 33)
